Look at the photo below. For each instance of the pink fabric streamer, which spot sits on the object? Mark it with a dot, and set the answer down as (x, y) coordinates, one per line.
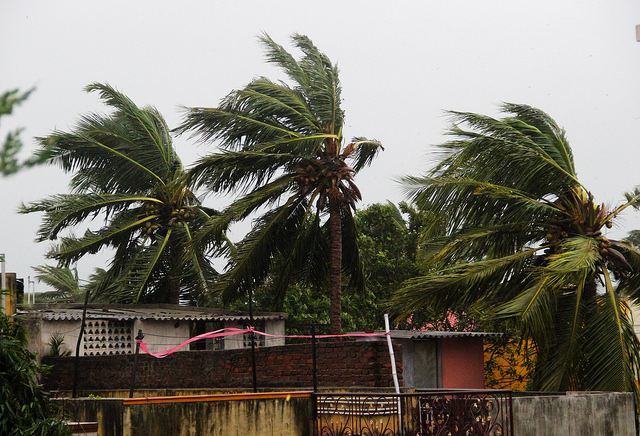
(235, 331)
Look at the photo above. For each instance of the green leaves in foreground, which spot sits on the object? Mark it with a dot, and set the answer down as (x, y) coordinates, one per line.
(25, 409)
(12, 145)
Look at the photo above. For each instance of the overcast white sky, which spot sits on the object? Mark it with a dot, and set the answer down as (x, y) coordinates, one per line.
(402, 64)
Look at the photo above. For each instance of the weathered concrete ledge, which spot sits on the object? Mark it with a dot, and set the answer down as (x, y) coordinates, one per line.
(575, 414)
(269, 413)
(291, 414)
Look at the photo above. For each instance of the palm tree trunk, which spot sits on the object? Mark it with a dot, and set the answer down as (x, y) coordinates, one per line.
(335, 268)
(174, 291)
(590, 288)
(174, 279)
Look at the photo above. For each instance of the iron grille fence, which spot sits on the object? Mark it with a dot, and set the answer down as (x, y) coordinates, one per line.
(424, 413)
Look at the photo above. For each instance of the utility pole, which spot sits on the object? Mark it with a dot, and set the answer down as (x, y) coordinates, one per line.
(3, 284)
(32, 287)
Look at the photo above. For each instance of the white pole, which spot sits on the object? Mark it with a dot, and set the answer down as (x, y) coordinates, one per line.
(393, 366)
(3, 284)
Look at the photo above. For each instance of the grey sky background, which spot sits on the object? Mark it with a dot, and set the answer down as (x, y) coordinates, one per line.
(402, 65)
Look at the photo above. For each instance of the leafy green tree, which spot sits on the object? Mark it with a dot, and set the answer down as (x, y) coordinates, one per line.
(25, 408)
(388, 243)
(283, 151)
(127, 175)
(524, 241)
(12, 144)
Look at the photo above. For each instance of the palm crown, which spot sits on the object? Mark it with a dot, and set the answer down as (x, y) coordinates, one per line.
(283, 149)
(517, 235)
(126, 171)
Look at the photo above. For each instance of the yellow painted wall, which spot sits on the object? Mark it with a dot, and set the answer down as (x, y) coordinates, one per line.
(505, 367)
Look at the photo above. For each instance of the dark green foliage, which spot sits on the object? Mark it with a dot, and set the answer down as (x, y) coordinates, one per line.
(25, 408)
(387, 244)
(387, 238)
(55, 342)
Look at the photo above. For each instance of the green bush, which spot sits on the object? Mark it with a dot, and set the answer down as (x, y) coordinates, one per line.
(25, 408)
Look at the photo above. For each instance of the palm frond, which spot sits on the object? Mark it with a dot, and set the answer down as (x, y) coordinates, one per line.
(71, 248)
(352, 264)
(515, 235)
(129, 150)
(67, 210)
(145, 263)
(239, 171)
(365, 150)
(64, 281)
(272, 233)
(460, 285)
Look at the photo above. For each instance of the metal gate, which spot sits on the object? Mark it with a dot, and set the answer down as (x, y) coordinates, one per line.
(425, 413)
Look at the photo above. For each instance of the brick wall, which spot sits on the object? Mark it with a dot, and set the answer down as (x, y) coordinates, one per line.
(340, 364)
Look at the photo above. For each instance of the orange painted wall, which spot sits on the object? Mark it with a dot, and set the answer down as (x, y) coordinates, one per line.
(462, 363)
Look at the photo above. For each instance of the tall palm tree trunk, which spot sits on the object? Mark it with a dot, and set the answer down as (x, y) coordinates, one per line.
(174, 291)
(174, 281)
(590, 288)
(335, 267)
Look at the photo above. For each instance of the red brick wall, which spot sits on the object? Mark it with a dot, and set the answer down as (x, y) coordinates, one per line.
(342, 364)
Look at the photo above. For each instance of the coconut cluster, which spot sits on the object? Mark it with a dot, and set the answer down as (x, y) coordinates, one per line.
(163, 215)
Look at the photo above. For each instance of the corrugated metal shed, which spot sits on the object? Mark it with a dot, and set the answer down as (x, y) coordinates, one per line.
(71, 312)
(419, 334)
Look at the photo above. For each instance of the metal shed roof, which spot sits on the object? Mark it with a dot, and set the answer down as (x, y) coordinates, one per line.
(419, 334)
(72, 312)
(431, 334)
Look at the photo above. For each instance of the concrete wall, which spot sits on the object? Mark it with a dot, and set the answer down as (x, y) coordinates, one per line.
(244, 414)
(575, 414)
(161, 335)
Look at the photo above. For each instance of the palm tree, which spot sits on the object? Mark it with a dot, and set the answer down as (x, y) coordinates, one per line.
(283, 151)
(64, 282)
(523, 240)
(126, 174)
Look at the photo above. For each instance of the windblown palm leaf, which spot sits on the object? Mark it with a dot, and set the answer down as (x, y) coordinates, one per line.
(516, 235)
(283, 151)
(127, 174)
(64, 281)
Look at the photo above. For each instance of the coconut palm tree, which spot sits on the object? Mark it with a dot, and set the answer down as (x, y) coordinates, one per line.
(127, 175)
(524, 240)
(64, 282)
(283, 151)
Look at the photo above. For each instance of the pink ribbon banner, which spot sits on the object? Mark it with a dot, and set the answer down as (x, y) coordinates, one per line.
(234, 331)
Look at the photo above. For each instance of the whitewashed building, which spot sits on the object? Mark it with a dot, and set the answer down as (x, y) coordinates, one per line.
(112, 329)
